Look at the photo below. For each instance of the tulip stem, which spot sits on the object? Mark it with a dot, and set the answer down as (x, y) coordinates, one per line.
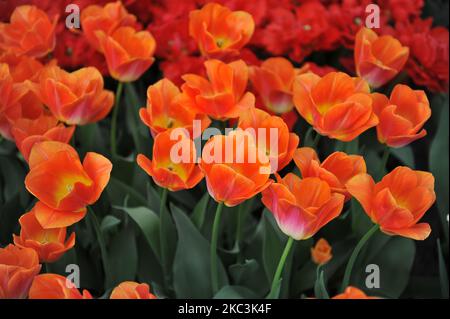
(279, 271)
(214, 257)
(102, 245)
(114, 119)
(354, 256)
(162, 207)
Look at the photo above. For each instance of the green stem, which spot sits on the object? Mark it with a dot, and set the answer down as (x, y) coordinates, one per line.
(316, 140)
(214, 239)
(102, 244)
(162, 203)
(354, 256)
(114, 119)
(280, 268)
(162, 206)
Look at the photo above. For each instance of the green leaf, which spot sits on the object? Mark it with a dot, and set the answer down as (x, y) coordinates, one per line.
(118, 190)
(439, 165)
(148, 223)
(249, 274)
(132, 112)
(123, 256)
(404, 154)
(442, 272)
(272, 246)
(235, 292)
(191, 269)
(394, 256)
(109, 223)
(198, 215)
(320, 290)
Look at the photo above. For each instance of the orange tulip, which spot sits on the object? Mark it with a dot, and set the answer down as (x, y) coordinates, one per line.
(28, 106)
(235, 169)
(166, 170)
(321, 252)
(353, 293)
(398, 202)
(52, 286)
(28, 132)
(22, 67)
(132, 290)
(272, 136)
(336, 169)
(378, 59)
(220, 32)
(402, 116)
(18, 266)
(107, 19)
(29, 32)
(11, 93)
(50, 244)
(222, 95)
(74, 98)
(273, 81)
(302, 206)
(63, 184)
(128, 53)
(336, 105)
(165, 110)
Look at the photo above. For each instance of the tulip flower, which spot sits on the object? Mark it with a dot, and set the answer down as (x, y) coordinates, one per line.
(397, 202)
(272, 136)
(336, 105)
(235, 170)
(27, 132)
(22, 67)
(223, 95)
(336, 169)
(132, 290)
(353, 293)
(273, 81)
(402, 116)
(220, 32)
(75, 98)
(107, 19)
(18, 267)
(174, 157)
(378, 59)
(128, 53)
(301, 207)
(64, 185)
(165, 110)
(52, 286)
(236, 159)
(30, 32)
(395, 205)
(10, 108)
(50, 244)
(321, 252)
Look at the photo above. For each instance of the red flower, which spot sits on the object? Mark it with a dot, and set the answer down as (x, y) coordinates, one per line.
(429, 53)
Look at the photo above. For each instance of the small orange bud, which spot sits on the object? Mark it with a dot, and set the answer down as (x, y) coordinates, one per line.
(321, 252)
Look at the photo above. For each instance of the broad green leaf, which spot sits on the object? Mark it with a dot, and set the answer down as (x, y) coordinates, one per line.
(394, 257)
(123, 256)
(442, 272)
(109, 223)
(148, 223)
(249, 274)
(405, 155)
(198, 214)
(235, 292)
(439, 164)
(191, 269)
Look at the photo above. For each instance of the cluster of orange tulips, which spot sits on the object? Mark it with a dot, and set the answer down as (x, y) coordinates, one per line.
(42, 105)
